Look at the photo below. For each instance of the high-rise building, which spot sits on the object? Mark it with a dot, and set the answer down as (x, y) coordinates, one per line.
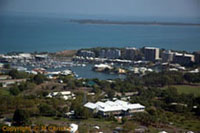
(182, 58)
(151, 53)
(110, 53)
(167, 56)
(86, 53)
(197, 57)
(130, 53)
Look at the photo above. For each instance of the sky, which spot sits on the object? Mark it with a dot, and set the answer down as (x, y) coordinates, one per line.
(156, 8)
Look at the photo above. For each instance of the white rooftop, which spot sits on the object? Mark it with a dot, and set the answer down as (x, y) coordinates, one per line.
(102, 66)
(109, 106)
(150, 48)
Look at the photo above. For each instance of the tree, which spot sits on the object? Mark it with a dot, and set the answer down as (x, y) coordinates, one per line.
(13, 73)
(47, 110)
(7, 66)
(129, 126)
(17, 75)
(124, 120)
(21, 117)
(26, 86)
(192, 77)
(197, 111)
(80, 111)
(14, 90)
(39, 78)
(111, 94)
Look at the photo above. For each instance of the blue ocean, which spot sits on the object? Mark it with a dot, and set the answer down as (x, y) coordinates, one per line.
(37, 33)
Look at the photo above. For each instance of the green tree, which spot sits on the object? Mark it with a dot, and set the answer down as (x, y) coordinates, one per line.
(80, 111)
(17, 75)
(129, 126)
(7, 66)
(111, 94)
(21, 117)
(39, 78)
(14, 90)
(47, 110)
(26, 86)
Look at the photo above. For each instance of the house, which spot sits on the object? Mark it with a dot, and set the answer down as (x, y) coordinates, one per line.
(90, 83)
(73, 128)
(7, 82)
(4, 77)
(117, 108)
(66, 95)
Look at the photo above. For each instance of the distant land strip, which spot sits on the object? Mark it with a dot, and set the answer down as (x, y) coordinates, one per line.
(91, 21)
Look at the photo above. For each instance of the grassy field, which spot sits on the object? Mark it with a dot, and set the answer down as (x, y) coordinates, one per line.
(187, 89)
(4, 91)
(106, 126)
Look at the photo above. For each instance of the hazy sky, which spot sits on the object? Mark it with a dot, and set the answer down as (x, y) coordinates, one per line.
(166, 8)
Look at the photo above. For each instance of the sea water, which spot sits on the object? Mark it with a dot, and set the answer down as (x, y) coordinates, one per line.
(51, 34)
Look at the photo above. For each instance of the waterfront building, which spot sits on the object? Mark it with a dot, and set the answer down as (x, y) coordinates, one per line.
(41, 57)
(182, 58)
(102, 67)
(117, 108)
(167, 56)
(86, 53)
(130, 53)
(197, 57)
(25, 56)
(110, 53)
(151, 53)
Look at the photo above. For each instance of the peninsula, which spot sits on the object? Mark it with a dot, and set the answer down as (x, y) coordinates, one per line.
(96, 21)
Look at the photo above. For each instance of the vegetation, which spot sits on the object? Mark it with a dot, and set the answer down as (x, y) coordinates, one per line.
(21, 117)
(17, 74)
(171, 98)
(188, 89)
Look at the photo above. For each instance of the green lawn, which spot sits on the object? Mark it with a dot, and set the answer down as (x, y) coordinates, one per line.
(105, 125)
(186, 89)
(4, 91)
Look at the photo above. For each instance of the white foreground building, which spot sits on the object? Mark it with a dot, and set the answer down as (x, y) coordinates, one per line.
(118, 107)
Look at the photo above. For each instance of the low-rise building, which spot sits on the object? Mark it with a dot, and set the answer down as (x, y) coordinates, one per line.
(7, 82)
(102, 67)
(41, 57)
(25, 56)
(66, 95)
(4, 77)
(117, 108)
